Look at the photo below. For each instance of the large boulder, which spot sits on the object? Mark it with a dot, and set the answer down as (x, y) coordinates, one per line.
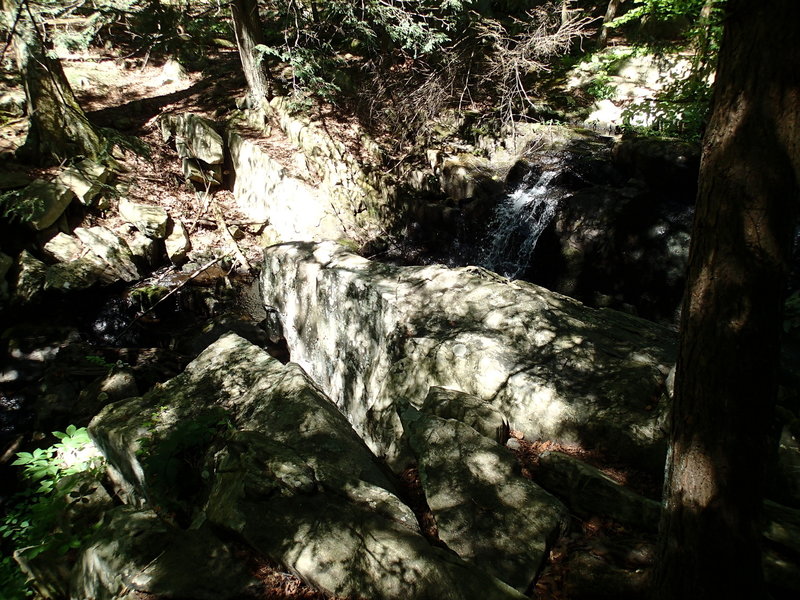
(484, 509)
(377, 337)
(255, 448)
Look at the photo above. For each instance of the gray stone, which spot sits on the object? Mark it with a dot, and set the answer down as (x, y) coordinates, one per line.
(588, 492)
(31, 278)
(150, 220)
(470, 410)
(64, 248)
(784, 483)
(205, 175)
(466, 176)
(78, 267)
(78, 274)
(85, 179)
(112, 249)
(49, 201)
(282, 469)
(344, 542)
(13, 102)
(266, 191)
(144, 249)
(177, 242)
(49, 565)
(376, 336)
(195, 137)
(782, 526)
(590, 576)
(135, 550)
(48, 571)
(484, 509)
(5, 264)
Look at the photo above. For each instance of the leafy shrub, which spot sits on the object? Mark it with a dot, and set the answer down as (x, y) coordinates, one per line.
(35, 514)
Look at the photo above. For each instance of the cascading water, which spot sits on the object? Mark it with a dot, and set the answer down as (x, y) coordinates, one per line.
(518, 221)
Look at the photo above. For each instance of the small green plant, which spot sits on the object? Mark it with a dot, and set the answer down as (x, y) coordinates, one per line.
(601, 87)
(35, 514)
(15, 206)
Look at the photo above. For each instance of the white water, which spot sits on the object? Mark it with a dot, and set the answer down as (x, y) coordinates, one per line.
(518, 221)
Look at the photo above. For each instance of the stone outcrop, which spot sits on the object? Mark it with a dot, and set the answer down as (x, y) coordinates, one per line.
(377, 337)
(254, 448)
(318, 189)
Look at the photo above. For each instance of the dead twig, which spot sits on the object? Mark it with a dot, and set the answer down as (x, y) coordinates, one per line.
(223, 228)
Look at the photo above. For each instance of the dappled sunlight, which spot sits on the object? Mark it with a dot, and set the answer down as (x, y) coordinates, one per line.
(393, 332)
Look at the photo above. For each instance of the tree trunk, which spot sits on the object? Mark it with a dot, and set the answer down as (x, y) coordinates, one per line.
(247, 27)
(59, 129)
(726, 379)
(611, 14)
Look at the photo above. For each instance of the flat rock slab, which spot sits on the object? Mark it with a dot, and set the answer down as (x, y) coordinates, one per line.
(377, 337)
(112, 249)
(48, 201)
(484, 509)
(256, 447)
(150, 220)
(588, 492)
(85, 179)
(195, 137)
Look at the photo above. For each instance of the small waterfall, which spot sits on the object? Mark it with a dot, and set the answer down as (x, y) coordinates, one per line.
(518, 221)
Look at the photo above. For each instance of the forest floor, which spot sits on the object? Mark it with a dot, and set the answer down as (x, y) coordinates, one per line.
(130, 97)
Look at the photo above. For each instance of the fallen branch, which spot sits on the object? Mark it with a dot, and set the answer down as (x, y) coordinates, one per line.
(206, 198)
(223, 227)
(167, 295)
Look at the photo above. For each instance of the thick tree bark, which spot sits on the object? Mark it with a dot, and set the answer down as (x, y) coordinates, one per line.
(247, 27)
(59, 129)
(730, 326)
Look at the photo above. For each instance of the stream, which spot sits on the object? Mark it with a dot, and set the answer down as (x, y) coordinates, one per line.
(519, 219)
(67, 356)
